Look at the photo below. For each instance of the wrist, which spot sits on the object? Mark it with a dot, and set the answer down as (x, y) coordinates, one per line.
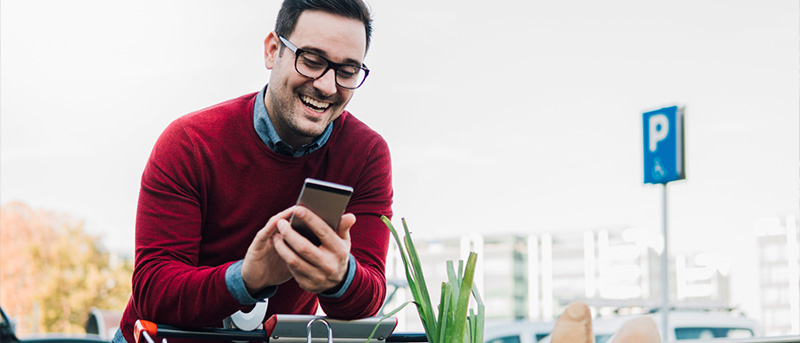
(245, 294)
(339, 290)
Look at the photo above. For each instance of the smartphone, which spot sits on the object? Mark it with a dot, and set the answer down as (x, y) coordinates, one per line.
(326, 199)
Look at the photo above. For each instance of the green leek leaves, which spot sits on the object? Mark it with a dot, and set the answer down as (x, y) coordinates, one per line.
(453, 324)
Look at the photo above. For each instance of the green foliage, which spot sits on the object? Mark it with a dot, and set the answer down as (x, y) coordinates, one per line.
(452, 324)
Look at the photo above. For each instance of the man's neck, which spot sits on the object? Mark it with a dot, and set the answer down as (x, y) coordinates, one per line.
(268, 132)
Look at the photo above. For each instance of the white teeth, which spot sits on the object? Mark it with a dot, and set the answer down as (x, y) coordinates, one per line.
(315, 103)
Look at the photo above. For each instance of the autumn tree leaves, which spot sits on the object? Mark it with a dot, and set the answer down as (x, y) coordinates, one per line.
(52, 272)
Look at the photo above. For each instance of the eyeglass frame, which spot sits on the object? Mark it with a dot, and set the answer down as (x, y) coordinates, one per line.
(331, 65)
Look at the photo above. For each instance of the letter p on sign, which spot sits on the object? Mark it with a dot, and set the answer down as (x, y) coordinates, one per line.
(659, 128)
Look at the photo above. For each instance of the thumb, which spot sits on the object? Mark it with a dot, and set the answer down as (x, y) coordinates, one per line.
(347, 221)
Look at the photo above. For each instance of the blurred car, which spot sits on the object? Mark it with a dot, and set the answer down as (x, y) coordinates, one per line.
(684, 324)
(7, 335)
(687, 324)
(516, 331)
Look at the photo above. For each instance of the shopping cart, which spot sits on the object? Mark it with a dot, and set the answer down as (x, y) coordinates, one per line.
(286, 328)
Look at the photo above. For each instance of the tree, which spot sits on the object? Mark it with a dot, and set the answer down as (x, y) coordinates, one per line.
(53, 272)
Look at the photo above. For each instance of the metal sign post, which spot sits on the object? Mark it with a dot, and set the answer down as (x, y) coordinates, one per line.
(664, 162)
(664, 271)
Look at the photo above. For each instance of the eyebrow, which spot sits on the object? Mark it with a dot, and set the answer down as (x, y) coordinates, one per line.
(322, 53)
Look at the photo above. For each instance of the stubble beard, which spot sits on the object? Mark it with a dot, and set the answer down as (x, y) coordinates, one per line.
(290, 119)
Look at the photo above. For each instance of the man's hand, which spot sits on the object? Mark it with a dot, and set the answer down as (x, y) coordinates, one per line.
(262, 266)
(316, 269)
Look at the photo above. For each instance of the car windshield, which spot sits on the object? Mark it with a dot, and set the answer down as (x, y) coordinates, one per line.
(601, 338)
(506, 339)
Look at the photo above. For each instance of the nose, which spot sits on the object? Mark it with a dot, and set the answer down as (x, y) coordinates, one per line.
(327, 82)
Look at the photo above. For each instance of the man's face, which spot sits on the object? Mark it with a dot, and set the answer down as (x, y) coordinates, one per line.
(300, 107)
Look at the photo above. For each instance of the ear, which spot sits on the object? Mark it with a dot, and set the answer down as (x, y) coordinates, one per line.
(272, 46)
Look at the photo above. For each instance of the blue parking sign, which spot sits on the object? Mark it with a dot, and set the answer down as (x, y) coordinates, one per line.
(663, 145)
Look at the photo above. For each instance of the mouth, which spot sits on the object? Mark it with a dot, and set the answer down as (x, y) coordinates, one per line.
(313, 104)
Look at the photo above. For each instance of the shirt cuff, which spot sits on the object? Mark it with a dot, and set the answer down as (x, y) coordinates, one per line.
(348, 279)
(235, 283)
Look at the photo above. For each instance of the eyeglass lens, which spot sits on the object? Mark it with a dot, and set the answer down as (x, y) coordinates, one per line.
(314, 66)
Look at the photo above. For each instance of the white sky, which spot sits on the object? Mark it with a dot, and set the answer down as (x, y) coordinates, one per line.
(502, 116)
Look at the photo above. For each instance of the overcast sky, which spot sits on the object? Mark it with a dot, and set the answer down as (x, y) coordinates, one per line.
(502, 116)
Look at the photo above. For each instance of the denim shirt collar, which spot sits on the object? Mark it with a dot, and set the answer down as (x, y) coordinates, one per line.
(266, 131)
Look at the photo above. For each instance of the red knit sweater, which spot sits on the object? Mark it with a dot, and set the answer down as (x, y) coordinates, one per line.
(211, 183)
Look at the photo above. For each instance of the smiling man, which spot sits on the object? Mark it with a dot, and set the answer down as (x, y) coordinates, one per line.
(212, 230)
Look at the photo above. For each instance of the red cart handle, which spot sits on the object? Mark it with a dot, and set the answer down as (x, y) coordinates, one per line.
(144, 327)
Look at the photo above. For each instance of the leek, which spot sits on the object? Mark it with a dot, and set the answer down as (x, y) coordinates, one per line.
(453, 323)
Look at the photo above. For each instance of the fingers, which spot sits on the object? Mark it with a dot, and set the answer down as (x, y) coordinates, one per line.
(261, 243)
(303, 256)
(262, 266)
(269, 229)
(296, 251)
(322, 230)
(315, 269)
(318, 226)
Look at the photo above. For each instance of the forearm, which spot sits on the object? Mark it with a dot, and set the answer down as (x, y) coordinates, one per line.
(363, 298)
(169, 292)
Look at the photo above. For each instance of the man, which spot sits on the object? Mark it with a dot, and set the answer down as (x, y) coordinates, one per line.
(216, 176)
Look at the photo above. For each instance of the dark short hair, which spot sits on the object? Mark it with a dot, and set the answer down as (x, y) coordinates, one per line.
(291, 10)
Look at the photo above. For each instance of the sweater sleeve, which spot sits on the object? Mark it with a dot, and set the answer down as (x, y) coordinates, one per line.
(369, 239)
(169, 285)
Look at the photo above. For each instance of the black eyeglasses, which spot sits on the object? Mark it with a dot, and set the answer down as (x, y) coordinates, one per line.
(314, 66)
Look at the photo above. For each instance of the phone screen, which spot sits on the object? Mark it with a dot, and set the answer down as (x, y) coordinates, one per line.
(327, 200)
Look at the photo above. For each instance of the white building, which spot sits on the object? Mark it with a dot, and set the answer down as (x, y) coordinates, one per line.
(536, 276)
(779, 262)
